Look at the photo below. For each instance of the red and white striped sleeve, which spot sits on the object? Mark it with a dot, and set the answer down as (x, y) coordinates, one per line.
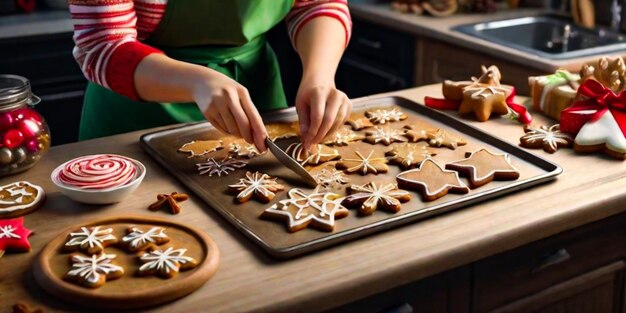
(106, 40)
(305, 10)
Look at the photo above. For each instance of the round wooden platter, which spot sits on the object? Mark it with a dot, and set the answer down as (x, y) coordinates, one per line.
(129, 291)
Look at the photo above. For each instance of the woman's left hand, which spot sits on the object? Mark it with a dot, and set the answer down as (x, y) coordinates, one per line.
(322, 109)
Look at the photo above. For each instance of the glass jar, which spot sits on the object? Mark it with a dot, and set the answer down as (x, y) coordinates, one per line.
(24, 134)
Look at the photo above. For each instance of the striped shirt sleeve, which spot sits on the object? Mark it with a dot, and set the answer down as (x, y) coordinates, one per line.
(305, 10)
(106, 42)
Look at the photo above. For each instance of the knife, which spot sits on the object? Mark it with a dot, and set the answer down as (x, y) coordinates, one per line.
(290, 163)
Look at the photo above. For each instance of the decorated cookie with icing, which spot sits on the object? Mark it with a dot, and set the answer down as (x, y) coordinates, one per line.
(93, 271)
(138, 239)
(549, 138)
(258, 185)
(14, 236)
(300, 210)
(220, 168)
(357, 121)
(342, 137)
(318, 154)
(384, 135)
(330, 177)
(201, 147)
(372, 196)
(101, 171)
(441, 138)
(414, 133)
(408, 155)
(482, 167)
(609, 72)
(384, 116)
(165, 263)
(277, 131)
(602, 135)
(363, 164)
(90, 240)
(20, 198)
(431, 181)
(239, 148)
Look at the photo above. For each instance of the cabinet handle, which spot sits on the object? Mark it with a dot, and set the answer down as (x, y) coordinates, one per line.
(551, 259)
(370, 43)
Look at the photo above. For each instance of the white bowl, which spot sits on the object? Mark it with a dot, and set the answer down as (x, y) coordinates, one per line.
(99, 196)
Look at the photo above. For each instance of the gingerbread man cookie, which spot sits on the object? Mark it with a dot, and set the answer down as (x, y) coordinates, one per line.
(165, 263)
(549, 138)
(318, 210)
(258, 185)
(90, 240)
(371, 196)
(431, 181)
(20, 198)
(482, 167)
(318, 155)
(201, 147)
(93, 271)
(408, 155)
(139, 240)
(384, 135)
(363, 164)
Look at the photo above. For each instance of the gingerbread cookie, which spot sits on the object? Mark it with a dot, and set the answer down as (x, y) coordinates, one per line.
(602, 135)
(238, 147)
(384, 135)
(549, 138)
(408, 155)
(453, 90)
(170, 201)
(318, 155)
(371, 196)
(261, 186)
(330, 177)
(219, 168)
(20, 198)
(431, 181)
(482, 167)
(318, 210)
(384, 116)
(282, 130)
(165, 263)
(357, 121)
(342, 137)
(201, 147)
(14, 236)
(440, 137)
(609, 72)
(415, 134)
(90, 240)
(93, 271)
(363, 164)
(139, 240)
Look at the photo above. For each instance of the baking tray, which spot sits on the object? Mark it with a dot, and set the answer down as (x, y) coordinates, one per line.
(273, 237)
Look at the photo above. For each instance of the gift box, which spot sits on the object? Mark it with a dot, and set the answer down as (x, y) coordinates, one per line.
(551, 94)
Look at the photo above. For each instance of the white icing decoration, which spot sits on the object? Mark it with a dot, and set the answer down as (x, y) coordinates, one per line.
(603, 131)
(138, 239)
(90, 268)
(90, 238)
(319, 202)
(386, 135)
(364, 164)
(8, 232)
(384, 116)
(19, 189)
(256, 183)
(330, 177)
(316, 157)
(484, 91)
(373, 194)
(164, 261)
(219, 168)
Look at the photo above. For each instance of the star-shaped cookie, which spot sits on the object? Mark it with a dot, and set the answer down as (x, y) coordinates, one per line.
(549, 138)
(363, 164)
(483, 101)
(482, 167)
(357, 121)
(431, 181)
(408, 155)
(440, 137)
(201, 147)
(342, 137)
(14, 236)
(258, 185)
(415, 134)
(300, 210)
(384, 135)
(372, 196)
(318, 154)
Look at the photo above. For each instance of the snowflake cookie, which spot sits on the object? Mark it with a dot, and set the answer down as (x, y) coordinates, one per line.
(318, 155)
(14, 236)
(382, 116)
(139, 240)
(93, 271)
(342, 137)
(384, 135)
(549, 138)
(91, 240)
(219, 168)
(363, 164)
(371, 196)
(165, 263)
(261, 186)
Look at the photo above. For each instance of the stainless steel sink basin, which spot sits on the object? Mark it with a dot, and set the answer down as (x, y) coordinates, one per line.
(550, 37)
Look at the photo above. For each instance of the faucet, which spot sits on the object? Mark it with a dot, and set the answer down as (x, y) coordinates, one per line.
(616, 15)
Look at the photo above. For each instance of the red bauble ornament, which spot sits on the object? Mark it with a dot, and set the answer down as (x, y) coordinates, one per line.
(13, 235)
(32, 145)
(6, 121)
(29, 128)
(13, 138)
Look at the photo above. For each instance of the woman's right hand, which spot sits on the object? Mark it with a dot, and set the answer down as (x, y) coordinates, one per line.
(228, 106)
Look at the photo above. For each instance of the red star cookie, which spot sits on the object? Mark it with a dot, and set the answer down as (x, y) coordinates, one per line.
(14, 236)
(482, 167)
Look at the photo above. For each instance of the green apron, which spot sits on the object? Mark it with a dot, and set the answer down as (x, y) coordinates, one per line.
(231, 42)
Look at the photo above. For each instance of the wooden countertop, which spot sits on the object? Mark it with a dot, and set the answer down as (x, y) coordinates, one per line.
(591, 188)
(441, 29)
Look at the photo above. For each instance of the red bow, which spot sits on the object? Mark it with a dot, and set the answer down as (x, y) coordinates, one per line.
(445, 104)
(601, 99)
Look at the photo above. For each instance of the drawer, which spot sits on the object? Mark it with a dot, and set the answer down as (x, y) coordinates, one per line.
(512, 275)
(383, 45)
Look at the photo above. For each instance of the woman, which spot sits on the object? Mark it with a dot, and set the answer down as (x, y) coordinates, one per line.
(207, 59)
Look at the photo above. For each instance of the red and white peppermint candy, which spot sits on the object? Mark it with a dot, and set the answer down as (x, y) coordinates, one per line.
(101, 171)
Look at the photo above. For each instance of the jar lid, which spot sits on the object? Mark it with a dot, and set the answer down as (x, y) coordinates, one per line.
(14, 90)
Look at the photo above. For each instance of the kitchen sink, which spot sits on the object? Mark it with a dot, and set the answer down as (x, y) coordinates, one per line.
(548, 36)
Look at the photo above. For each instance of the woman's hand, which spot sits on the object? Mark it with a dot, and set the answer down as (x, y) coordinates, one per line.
(322, 109)
(227, 105)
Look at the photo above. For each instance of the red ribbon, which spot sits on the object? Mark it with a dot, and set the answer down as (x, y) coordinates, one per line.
(26, 5)
(445, 104)
(601, 99)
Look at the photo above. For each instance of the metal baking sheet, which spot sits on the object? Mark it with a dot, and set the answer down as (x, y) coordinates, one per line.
(273, 237)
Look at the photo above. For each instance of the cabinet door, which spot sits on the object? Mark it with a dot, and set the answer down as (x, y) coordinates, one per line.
(62, 112)
(358, 78)
(596, 291)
